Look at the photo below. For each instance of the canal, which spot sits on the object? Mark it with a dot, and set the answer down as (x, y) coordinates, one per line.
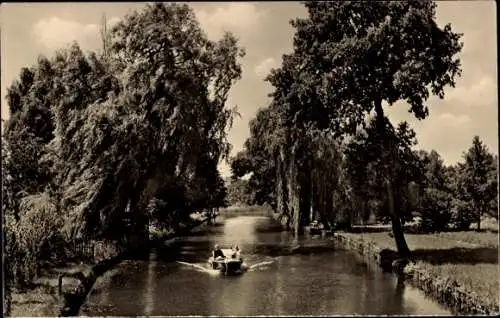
(318, 280)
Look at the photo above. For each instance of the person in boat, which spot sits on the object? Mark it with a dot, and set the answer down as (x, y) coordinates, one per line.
(236, 252)
(217, 252)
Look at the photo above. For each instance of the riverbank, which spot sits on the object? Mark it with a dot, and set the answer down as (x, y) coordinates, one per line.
(44, 299)
(458, 269)
(60, 290)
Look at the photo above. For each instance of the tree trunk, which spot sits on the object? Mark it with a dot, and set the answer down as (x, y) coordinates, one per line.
(312, 205)
(363, 207)
(280, 209)
(293, 198)
(479, 221)
(281, 182)
(397, 229)
(305, 196)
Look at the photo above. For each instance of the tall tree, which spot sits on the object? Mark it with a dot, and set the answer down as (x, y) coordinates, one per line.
(162, 114)
(437, 194)
(239, 192)
(29, 128)
(365, 161)
(105, 37)
(257, 159)
(478, 181)
(379, 53)
(462, 209)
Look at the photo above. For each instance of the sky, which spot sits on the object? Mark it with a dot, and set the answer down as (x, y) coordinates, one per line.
(31, 29)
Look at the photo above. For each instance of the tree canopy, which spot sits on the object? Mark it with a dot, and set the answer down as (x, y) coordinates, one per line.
(350, 59)
(98, 137)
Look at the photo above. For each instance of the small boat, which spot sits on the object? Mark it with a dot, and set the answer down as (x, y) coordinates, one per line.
(315, 228)
(229, 265)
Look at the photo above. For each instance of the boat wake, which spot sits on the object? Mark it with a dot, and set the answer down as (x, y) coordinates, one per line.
(201, 268)
(254, 266)
(211, 271)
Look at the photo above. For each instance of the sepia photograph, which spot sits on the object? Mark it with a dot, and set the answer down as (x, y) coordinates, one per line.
(312, 158)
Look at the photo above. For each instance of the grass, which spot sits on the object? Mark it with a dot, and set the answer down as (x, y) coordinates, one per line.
(260, 210)
(42, 300)
(34, 303)
(443, 240)
(488, 239)
(470, 258)
(482, 279)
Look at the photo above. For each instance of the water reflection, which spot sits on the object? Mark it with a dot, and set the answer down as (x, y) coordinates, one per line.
(150, 284)
(280, 295)
(319, 283)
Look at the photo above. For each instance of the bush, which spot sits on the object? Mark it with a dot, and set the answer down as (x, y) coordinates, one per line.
(436, 214)
(414, 226)
(462, 214)
(39, 223)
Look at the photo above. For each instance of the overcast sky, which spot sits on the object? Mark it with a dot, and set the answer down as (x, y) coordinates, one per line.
(28, 30)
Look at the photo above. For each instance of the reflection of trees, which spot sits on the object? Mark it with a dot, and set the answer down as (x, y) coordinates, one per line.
(363, 291)
(280, 294)
(399, 294)
(149, 299)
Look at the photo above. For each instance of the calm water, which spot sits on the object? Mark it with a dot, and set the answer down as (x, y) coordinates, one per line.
(317, 281)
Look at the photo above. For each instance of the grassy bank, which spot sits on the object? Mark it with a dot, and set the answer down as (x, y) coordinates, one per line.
(43, 298)
(467, 261)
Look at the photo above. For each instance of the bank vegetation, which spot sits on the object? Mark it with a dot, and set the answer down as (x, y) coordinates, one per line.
(324, 148)
(101, 145)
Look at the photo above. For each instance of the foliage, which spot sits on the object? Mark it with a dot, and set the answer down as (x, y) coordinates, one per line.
(372, 56)
(435, 206)
(478, 183)
(239, 193)
(93, 138)
(136, 133)
(333, 80)
(28, 130)
(331, 192)
(258, 160)
(38, 223)
(462, 214)
(364, 162)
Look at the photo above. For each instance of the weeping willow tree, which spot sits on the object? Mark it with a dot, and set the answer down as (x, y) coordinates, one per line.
(162, 117)
(328, 184)
(92, 138)
(301, 181)
(334, 79)
(303, 141)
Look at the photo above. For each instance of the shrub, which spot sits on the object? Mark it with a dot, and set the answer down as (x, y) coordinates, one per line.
(436, 214)
(415, 226)
(462, 214)
(39, 223)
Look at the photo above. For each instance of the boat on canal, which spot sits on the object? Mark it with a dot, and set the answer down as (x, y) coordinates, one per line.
(315, 228)
(229, 265)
